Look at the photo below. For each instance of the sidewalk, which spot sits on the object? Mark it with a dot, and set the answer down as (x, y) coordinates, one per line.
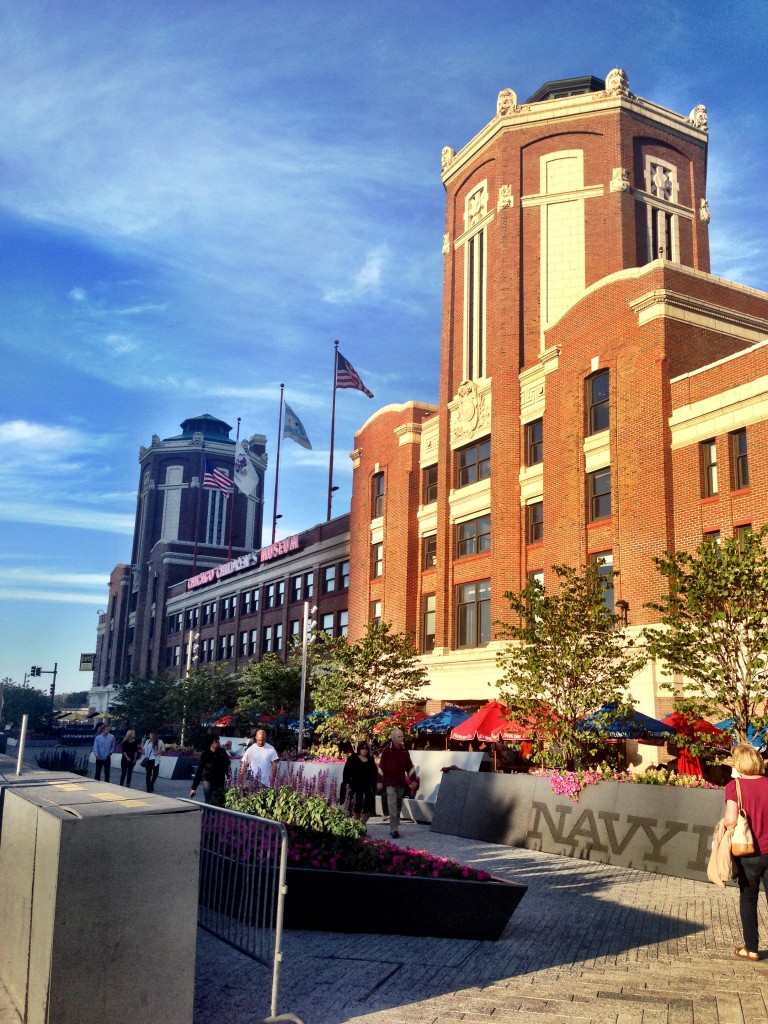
(589, 943)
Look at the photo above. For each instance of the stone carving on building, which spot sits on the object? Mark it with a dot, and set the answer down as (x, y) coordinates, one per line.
(446, 244)
(532, 395)
(698, 116)
(704, 210)
(475, 207)
(506, 103)
(470, 411)
(505, 198)
(617, 83)
(156, 442)
(447, 156)
(620, 180)
(197, 438)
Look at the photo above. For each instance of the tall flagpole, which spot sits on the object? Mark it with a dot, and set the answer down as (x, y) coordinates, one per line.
(333, 427)
(199, 502)
(234, 491)
(277, 463)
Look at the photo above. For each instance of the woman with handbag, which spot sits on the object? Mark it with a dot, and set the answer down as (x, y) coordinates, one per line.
(746, 804)
(153, 749)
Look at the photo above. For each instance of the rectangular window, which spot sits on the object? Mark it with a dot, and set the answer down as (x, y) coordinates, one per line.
(429, 485)
(473, 614)
(309, 586)
(712, 537)
(229, 607)
(344, 573)
(741, 533)
(343, 623)
(174, 624)
(280, 594)
(377, 560)
(475, 306)
(473, 463)
(295, 589)
(597, 400)
(429, 551)
(326, 623)
(375, 613)
(329, 579)
(534, 522)
(295, 629)
(254, 646)
(207, 650)
(740, 461)
(209, 613)
(428, 623)
(534, 443)
(222, 648)
(377, 495)
(279, 636)
(172, 656)
(537, 576)
(266, 640)
(605, 569)
(243, 648)
(473, 537)
(269, 596)
(709, 468)
(191, 618)
(600, 494)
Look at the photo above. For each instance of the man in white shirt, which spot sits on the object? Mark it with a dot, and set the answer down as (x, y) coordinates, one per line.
(259, 761)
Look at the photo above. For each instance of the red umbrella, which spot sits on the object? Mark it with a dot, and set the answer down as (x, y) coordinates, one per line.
(400, 721)
(490, 724)
(687, 763)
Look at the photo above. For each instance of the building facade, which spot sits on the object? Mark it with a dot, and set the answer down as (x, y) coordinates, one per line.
(189, 517)
(603, 396)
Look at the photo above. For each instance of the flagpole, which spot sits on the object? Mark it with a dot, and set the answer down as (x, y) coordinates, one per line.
(199, 500)
(277, 463)
(234, 492)
(333, 427)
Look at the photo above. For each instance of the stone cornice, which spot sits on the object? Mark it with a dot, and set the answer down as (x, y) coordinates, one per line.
(707, 315)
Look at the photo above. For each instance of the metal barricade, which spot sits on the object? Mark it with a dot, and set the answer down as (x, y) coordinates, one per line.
(243, 862)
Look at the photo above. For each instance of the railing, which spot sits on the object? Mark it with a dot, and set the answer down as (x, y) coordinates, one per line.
(243, 861)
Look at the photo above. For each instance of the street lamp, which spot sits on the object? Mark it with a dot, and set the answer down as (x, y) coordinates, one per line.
(306, 639)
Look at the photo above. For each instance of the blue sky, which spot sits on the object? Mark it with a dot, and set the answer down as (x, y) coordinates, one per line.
(197, 198)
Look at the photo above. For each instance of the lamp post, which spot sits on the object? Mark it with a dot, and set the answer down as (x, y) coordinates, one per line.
(192, 648)
(306, 640)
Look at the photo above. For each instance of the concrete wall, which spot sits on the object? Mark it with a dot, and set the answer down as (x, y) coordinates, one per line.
(665, 829)
(98, 901)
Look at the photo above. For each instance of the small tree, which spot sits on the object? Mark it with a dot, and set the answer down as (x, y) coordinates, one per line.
(142, 704)
(567, 657)
(21, 699)
(357, 683)
(714, 629)
(196, 694)
(271, 688)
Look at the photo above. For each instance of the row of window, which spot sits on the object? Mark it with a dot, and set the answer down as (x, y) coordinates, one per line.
(333, 578)
(739, 464)
(251, 643)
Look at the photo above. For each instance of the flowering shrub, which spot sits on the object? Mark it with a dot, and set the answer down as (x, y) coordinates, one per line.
(570, 784)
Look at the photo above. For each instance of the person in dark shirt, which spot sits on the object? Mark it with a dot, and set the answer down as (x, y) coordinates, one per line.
(128, 758)
(394, 765)
(359, 781)
(213, 769)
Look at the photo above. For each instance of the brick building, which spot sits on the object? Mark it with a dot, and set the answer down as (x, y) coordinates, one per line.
(602, 394)
(181, 528)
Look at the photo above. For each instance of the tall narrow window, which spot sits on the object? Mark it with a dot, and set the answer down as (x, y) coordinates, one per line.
(428, 623)
(217, 517)
(344, 573)
(739, 458)
(343, 622)
(473, 614)
(429, 551)
(534, 442)
(604, 562)
(662, 188)
(429, 485)
(475, 212)
(377, 495)
(534, 522)
(709, 468)
(741, 533)
(329, 579)
(375, 613)
(597, 401)
(377, 560)
(600, 494)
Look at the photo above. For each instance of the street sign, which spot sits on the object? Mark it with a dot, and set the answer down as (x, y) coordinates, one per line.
(87, 662)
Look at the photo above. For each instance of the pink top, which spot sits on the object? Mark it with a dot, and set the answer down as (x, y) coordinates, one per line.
(754, 800)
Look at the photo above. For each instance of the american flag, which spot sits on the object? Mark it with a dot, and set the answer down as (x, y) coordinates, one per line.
(216, 479)
(348, 377)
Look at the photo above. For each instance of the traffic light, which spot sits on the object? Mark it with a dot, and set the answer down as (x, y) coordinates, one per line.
(53, 690)
(35, 671)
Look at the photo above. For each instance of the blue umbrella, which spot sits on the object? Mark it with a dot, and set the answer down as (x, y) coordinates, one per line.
(443, 721)
(632, 725)
(756, 737)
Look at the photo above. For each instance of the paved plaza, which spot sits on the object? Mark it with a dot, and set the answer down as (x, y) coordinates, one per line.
(588, 943)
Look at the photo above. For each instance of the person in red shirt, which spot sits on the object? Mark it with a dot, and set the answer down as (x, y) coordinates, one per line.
(394, 766)
(753, 870)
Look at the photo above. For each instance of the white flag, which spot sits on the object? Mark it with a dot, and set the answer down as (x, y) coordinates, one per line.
(245, 472)
(293, 428)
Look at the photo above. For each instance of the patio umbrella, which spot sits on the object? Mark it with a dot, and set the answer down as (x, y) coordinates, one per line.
(632, 725)
(756, 737)
(406, 721)
(73, 716)
(490, 724)
(443, 721)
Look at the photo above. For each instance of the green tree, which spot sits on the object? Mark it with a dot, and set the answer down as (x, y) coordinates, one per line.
(75, 699)
(714, 629)
(271, 687)
(567, 656)
(194, 697)
(378, 674)
(143, 704)
(22, 699)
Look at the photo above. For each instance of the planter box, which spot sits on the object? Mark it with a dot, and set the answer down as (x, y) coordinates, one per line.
(347, 901)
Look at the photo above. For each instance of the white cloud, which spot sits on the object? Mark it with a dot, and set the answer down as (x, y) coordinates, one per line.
(365, 282)
(52, 578)
(120, 344)
(59, 515)
(64, 597)
(78, 294)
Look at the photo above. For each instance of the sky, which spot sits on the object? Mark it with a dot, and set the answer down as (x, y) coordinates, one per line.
(197, 197)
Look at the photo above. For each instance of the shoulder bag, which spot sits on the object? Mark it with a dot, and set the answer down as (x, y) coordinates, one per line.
(742, 840)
